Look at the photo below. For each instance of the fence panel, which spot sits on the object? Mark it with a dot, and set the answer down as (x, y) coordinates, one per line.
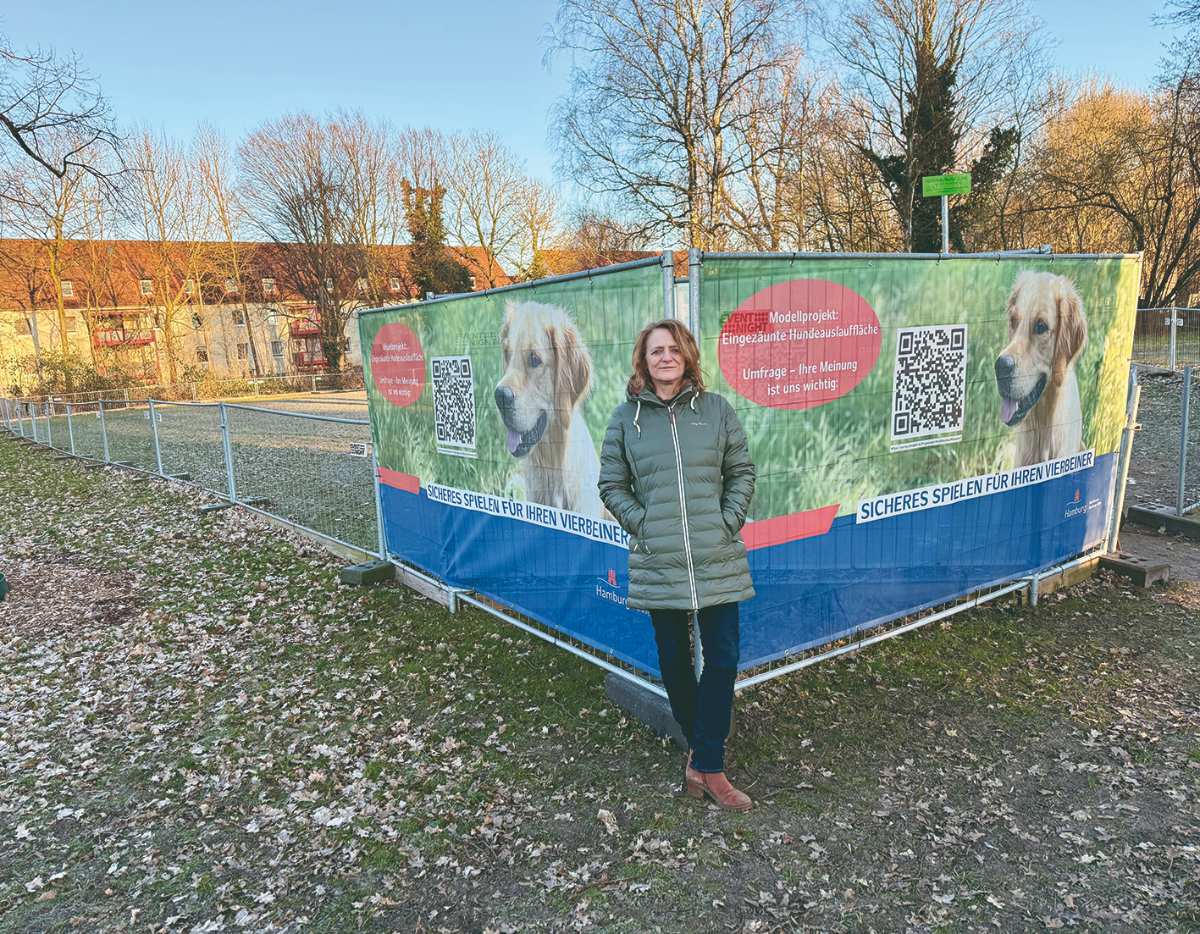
(189, 439)
(86, 424)
(1152, 337)
(130, 439)
(310, 470)
(1190, 446)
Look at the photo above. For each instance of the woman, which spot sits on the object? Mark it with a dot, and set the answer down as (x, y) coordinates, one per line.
(676, 473)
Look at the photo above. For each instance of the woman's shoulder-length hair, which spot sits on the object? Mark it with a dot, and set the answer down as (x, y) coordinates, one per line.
(687, 349)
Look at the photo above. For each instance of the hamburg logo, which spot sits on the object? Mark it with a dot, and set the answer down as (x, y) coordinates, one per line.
(612, 574)
(1076, 494)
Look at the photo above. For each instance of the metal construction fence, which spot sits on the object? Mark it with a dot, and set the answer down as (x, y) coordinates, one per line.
(212, 389)
(314, 471)
(1165, 473)
(1167, 337)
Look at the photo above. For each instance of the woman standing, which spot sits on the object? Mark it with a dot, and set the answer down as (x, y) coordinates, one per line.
(676, 473)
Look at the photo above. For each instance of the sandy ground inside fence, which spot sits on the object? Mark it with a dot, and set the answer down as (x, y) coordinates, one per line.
(201, 730)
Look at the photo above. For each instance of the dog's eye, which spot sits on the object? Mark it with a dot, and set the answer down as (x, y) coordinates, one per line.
(1040, 327)
(534, 360)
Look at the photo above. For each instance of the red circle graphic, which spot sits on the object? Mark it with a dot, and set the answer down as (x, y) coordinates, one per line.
(398, 364)
(799, 344)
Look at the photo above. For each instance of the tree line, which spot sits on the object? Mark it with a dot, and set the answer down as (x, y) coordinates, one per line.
(720, 124)
(763, 125)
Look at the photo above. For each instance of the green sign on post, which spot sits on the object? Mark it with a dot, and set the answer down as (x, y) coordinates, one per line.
(957, 183)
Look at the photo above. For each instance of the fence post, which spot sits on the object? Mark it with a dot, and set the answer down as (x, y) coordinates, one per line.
(668, 274)
(695, 258)
(154, 434)
(1171, 352)
(230, 483)
(104, 431)
(71, 427)
(49, 419)
(1180, 503)
(382, 542)
(1114, 530)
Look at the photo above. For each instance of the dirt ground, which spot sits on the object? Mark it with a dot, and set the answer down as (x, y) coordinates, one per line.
(201, 730)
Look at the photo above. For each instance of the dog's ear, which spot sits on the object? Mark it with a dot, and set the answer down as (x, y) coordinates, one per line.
(508, 316)
(1072, 326)
(572, 362)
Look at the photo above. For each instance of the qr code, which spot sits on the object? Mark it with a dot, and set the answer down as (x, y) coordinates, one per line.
(454, 405)
(930, 384)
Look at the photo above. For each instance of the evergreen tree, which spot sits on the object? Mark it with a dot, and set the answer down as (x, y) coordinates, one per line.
(431, 267)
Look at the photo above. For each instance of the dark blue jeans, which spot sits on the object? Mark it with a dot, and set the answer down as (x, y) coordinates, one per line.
(701, 710)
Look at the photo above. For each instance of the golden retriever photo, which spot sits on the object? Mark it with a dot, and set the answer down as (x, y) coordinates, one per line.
(1035, 373)
(547, 375)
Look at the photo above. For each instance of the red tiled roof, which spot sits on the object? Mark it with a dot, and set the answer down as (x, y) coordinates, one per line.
(108, 273)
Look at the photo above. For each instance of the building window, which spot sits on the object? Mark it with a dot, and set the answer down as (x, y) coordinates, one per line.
(472, 280)
(68, 288)
(268, 286)
(239, 318)
(328, 285)
(72, 323)
(230, 286)
(394, 283)
(361, 284)
(189, 286)
(197, 321)
(202, 355)
(147, 287)
(276, 348)
(243, 351)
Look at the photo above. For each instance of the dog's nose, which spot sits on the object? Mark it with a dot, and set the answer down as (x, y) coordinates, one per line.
(505, 399)
(1005, 366)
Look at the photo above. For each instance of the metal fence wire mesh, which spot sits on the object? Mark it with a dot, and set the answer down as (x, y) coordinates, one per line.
(1190, 447)
(190, 445)
(1167, 337)
(130, 438)
(314, 471)
(86, 429)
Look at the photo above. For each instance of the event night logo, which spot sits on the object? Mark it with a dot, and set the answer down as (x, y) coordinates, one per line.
(799, 344)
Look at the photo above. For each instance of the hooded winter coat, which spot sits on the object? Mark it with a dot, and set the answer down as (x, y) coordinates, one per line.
(678, 478)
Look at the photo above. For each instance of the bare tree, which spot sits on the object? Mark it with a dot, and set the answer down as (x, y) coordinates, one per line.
(537, 219)
(931, 79)
(1121, 171)
(48, 209)
(652, 108)
(45, 100)
(167, 207)
(326, 193)
(485, 183)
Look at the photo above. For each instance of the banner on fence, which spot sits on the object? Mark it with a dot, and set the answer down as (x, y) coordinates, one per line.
(921, 429)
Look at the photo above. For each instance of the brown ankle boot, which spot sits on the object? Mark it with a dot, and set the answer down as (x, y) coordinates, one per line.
(716, 788)
(693, 781)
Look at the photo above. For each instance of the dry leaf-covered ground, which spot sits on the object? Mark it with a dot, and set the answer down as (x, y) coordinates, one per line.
(200, 731)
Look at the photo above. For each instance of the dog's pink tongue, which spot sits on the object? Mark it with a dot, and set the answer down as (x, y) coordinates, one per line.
(514, 441)
(1008, 408)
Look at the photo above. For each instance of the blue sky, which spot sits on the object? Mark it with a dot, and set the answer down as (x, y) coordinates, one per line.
(455, 65)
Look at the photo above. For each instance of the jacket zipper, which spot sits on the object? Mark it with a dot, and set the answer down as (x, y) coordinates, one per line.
(687, 542)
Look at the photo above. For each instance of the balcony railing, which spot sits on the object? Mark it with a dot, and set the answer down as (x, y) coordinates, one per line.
(121, 339)
(304, 328)
(309, 361)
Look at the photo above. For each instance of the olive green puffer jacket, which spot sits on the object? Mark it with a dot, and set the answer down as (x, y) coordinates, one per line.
(678, 478)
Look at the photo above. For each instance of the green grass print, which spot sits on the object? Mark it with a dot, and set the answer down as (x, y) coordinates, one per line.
(608, 310)
(840, 452)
